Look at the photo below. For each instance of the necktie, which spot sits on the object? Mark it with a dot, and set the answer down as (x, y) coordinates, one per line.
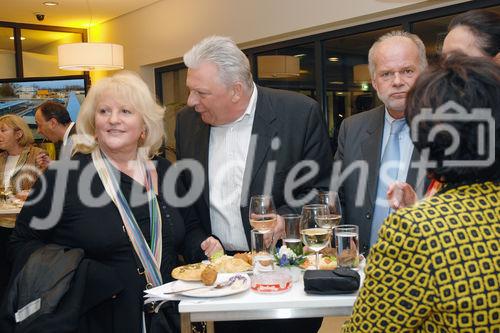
(390, 159)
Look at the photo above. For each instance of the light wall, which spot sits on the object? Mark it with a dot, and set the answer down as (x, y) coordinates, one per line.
(160, 33)
(7, 63)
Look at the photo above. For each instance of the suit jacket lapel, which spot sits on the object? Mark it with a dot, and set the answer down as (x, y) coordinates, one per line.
(202, 137)
(263, 132)
(370, 148)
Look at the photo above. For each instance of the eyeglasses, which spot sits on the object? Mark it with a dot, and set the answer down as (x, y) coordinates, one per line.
(406, 73)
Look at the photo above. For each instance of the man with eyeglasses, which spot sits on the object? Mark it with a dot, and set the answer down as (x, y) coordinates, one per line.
(379, 138)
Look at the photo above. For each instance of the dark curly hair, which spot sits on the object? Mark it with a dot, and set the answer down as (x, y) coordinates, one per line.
(473, 83)
(484, 25)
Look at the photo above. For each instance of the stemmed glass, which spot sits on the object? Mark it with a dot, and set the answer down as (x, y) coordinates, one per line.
(262, 216)
(262, 213)
(313, 235)
(332, 219)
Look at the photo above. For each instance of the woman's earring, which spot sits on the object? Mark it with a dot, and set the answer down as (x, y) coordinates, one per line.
(142, 137)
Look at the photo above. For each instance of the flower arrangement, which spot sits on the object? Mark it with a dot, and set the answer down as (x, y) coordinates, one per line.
(285, 257)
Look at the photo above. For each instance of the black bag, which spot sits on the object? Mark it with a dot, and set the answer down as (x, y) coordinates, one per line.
(338, 281)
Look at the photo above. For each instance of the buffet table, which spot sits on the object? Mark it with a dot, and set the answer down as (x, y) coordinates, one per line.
(249, 305)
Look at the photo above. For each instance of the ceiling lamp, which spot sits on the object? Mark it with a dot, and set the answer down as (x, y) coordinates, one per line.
(90, 56)
(361, 73)
(278, 66)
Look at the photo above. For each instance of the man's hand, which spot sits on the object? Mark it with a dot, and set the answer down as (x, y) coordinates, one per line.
(401, 195)
(210, 246)
(42, 160)
(277, 233)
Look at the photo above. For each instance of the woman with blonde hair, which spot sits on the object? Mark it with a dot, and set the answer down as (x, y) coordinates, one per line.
(18, 172)
(16, 141)
(116, 208)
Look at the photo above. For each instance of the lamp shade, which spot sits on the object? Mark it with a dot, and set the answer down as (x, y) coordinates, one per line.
(278, 66)
(90, 56)
(361, 73)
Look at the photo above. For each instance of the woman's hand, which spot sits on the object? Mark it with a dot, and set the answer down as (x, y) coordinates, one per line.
(210, 246)
(22, 195)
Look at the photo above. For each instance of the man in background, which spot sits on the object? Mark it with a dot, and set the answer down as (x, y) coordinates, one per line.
(54, 123)
(380, 137)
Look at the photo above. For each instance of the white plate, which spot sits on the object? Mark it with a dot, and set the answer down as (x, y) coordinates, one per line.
(221, 277)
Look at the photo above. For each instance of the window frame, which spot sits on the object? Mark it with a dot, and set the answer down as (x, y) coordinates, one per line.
(17, 27)
(406, 21)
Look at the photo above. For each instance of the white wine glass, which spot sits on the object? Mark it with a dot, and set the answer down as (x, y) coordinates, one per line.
(262, 213)
(332, 219)
(313, 235)
(334, 216)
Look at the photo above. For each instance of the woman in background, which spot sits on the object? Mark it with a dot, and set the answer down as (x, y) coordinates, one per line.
(115, 208)
(475, 33)
(435, 267)
(18, 172)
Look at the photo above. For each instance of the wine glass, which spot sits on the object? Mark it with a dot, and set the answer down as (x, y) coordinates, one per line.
(332, 219)
(262, 216)
(262, 213)
(313, 235)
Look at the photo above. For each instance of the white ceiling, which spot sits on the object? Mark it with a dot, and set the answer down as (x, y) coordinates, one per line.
(69, 13)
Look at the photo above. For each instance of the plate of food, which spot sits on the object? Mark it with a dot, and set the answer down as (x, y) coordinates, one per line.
(328, 261)
(225, 284)
(325, 262)
(239, 263)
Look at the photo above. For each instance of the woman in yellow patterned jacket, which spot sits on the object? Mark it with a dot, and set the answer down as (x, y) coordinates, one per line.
(436, 265)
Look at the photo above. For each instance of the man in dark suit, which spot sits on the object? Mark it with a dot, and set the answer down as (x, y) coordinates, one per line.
(248, 140)
(395, 61)
(54, 123)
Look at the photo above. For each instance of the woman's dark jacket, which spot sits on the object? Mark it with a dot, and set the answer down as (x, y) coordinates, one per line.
(100, 233)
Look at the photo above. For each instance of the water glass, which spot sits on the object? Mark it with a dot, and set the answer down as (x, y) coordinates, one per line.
(347, 244)
(263, 259)
(292, 233)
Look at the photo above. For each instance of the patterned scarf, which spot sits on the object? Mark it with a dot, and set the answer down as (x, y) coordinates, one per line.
(150, 262)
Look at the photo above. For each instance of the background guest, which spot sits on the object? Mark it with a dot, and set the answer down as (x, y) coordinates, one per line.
(435, 265)
(380, 137)
(18, 172)
(476, 33)
(54, 123)
(137, 240)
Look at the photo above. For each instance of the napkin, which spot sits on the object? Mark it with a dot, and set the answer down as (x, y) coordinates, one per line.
(158, 293)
